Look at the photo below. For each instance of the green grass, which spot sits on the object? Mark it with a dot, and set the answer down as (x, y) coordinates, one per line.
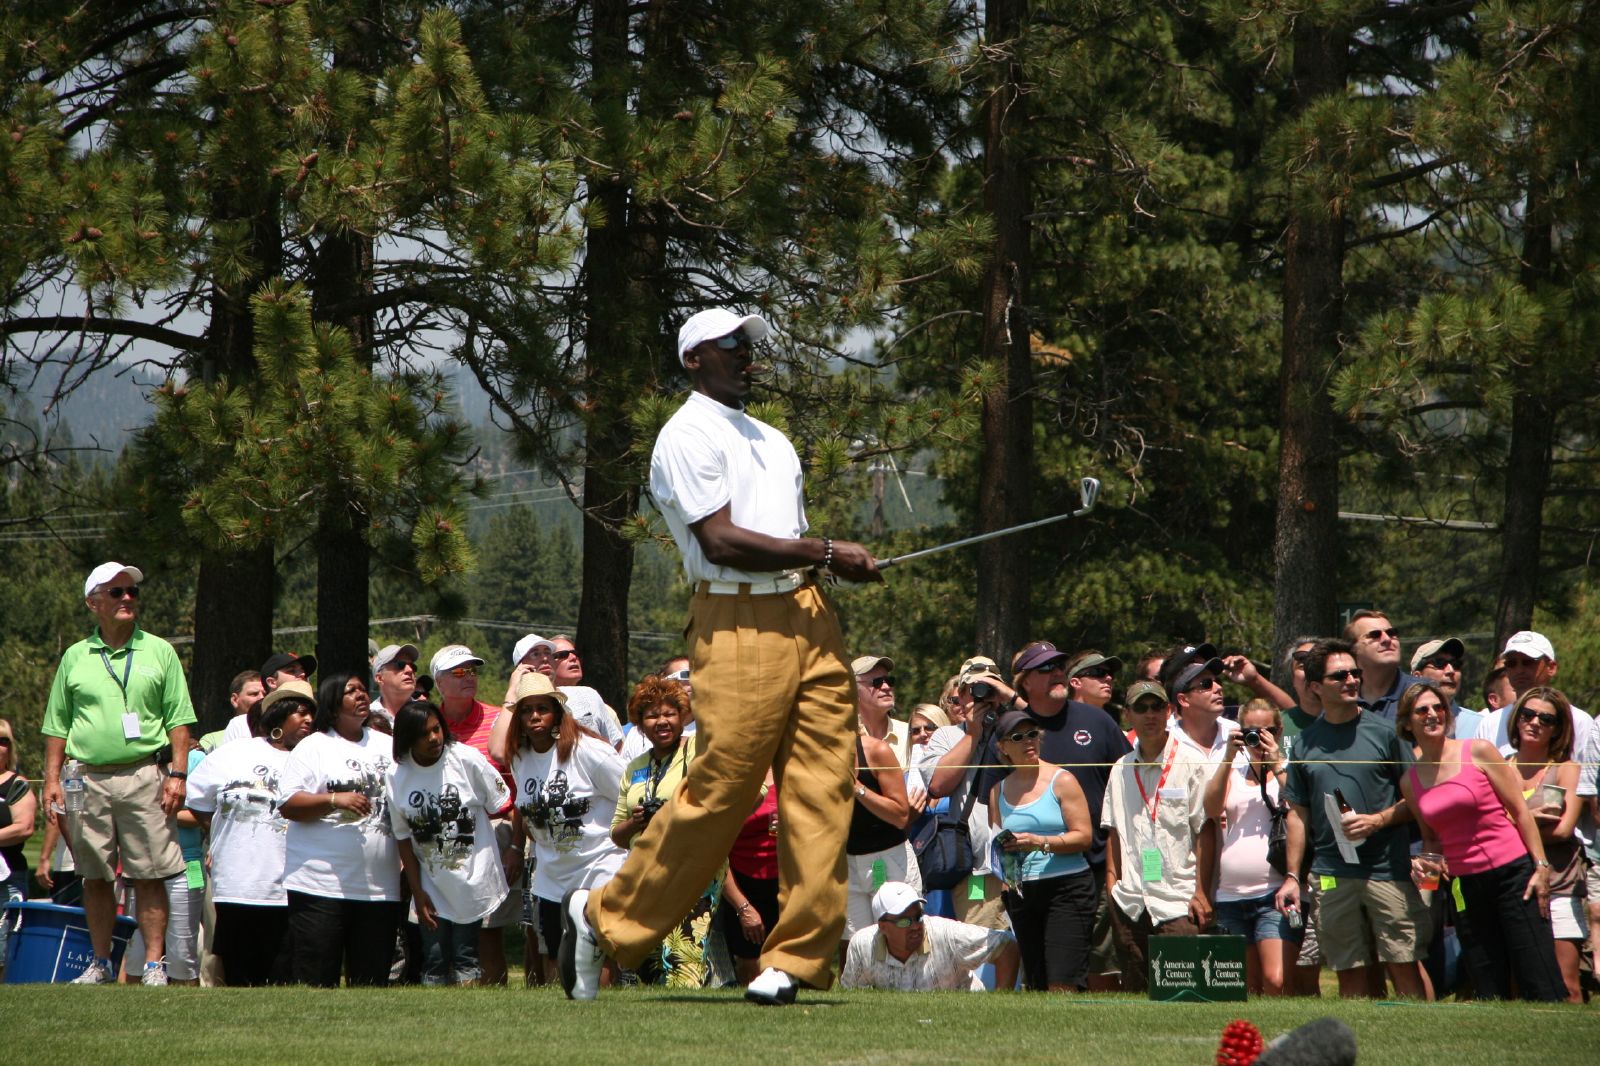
(131, 1025)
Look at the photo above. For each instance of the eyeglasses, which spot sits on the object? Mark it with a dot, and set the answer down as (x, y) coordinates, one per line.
(905, 921)
(1026, 734)
(1544, 718)
(570, 653)
(1101, 672)
(117, 592)
(463, 671)
(678, 675)
(1433, 710)
(732, 341)
(1374, 634)
(5, 742)
(921, 729)
(1441, 662)
(879, 682)
(1338, 677)
(1204, 684)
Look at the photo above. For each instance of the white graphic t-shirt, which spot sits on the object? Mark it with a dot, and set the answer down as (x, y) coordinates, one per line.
(240, 785)
(444, 811)
(566, 809)
(341, 856)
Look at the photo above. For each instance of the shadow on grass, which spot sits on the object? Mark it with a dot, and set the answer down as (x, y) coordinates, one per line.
(729, 1000)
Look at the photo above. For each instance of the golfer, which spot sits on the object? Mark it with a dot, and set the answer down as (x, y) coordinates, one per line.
(772, 687)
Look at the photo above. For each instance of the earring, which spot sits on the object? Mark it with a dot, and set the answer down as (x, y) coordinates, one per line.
(277, 734)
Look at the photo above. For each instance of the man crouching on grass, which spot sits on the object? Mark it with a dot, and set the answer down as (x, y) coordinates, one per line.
(911, 951)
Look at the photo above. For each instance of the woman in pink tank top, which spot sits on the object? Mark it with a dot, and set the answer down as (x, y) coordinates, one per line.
(1468, 802)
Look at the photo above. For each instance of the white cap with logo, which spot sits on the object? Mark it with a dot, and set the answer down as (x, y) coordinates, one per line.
(451, 656)
(527, 644)
(1533, 645)
(895, 897)
(717, 322)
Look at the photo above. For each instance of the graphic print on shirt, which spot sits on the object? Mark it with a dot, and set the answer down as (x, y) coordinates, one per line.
(552, 809)
(442, 827)
(253, 799)
(369, 781)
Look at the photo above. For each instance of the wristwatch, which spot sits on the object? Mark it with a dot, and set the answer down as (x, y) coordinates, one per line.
(861, 790)
(1543, 864)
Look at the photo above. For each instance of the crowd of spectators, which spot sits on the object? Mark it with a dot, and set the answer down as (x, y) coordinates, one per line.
(1030, 827)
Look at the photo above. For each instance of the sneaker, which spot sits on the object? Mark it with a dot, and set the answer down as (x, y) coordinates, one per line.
(579, 956)
(773, 988)
(155, 974)
(98, 972)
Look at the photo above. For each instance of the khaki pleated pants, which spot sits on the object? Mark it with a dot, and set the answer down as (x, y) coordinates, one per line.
(771, 688)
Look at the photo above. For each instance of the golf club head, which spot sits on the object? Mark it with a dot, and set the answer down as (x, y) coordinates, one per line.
(1088, 492)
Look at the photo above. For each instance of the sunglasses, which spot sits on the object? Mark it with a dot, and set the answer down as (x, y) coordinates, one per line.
(1338, 677)
(1374, 634)
(5, 742)
(117, 592)
(1441, 662)
(905, 921)
(1301, 656)
(1198, 685)
(880, 682)
(463, 671)
(922, 729)
(1544, 718)
(1026, 734)
(678, 675)
(1433, 710)
(1101, 672)
(570, 653)
(732, 341)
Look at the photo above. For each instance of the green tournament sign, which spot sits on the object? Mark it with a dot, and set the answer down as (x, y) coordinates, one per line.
(1204, 969)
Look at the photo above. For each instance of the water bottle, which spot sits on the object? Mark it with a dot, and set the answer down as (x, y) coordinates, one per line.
(72, 786)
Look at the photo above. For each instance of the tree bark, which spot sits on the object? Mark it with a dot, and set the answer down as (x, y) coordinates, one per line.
(1005, 485)
(1306, 535)
(1528, 461)
(232, 627)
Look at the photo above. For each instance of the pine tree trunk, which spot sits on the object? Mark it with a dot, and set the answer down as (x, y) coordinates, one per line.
(1306, 537)
(232, 627)
(1528, 463)
(1005, 486)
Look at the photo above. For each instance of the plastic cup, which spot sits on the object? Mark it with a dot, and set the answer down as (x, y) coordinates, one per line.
(1432, 866)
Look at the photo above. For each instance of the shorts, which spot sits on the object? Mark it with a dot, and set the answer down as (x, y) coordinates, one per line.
(1256, 920)
(1592, 884)
(510, 910)
(1102, 943)
(122, 822)
(1567, 920)
(899, 864)
(988, 912)
(1354, 908)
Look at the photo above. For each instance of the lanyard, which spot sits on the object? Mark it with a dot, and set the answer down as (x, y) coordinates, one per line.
(659, 770)
(1138, 779)
(127, 667)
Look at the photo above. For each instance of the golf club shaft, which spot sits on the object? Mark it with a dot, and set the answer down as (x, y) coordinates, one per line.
(884, 564)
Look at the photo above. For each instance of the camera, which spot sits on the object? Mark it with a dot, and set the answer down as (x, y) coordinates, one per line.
(981, 690)
(650, 805)
(1252, 736)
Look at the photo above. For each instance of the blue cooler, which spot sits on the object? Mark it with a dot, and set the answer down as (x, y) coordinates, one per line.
(50, 943)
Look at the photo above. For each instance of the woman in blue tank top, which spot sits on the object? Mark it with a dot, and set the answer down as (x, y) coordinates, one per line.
(1042, 830)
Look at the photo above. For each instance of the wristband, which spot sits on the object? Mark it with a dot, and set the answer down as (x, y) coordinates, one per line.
(1292, 877)
(827, 553)
(179, 774)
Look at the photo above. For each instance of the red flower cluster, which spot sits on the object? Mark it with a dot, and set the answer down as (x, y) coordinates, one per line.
(1241, 1043)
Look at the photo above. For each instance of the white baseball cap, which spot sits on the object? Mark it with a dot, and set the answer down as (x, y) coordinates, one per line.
(393, 653)
(1533, 645)
(107, 572)
(527, 644)
(451, 656)
(895, 897)
(717, 322)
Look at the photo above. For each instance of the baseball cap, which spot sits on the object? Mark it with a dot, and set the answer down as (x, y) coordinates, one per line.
(1140, 689)
(978, 664)
(865, 664)
(895, 897)
(293, 687)
(394, 653)
(106, 573)
(1533, 645)
(280, 659)
(527, 644)
(1195, 659)
(1010, 720)
(1036, 655)
(1090, 660)
(1447, 646)
(533, 683)
(451, 656)
(717, 322)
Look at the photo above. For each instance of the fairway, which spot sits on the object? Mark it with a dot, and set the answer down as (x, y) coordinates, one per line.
(130, 1025)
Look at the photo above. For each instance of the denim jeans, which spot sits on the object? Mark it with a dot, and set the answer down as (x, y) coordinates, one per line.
(450, 953)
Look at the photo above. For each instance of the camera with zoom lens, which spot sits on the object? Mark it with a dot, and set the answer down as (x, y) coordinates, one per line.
(1252, 736)
(981, 690)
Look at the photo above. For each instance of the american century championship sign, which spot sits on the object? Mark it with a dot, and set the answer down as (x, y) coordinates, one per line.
(1204, 969)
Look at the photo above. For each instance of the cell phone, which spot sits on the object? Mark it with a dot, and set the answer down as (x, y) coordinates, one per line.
(1004, 837)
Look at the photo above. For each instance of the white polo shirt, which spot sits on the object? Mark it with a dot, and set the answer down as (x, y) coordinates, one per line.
(708, 456)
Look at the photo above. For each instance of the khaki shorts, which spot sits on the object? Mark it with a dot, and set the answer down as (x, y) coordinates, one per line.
(989, 912)
(122, 821)
(1390, 911)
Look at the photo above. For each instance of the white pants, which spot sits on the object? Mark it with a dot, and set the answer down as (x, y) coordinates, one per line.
(899, 864)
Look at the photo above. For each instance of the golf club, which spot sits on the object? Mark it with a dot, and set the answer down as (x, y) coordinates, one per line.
(1088, 492)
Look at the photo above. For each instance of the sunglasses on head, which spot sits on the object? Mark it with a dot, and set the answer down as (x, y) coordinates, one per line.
(1544, 718)
(1023, 734)
(879, 682)
(117, 592)
(1337, 677)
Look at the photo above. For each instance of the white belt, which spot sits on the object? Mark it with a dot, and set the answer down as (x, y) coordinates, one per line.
(787, 581)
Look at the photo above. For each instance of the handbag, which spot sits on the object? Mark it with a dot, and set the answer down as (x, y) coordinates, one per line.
(943, 843)
(1277, 834)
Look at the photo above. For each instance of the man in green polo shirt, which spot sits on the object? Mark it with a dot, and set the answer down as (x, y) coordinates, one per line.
(118, 698)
